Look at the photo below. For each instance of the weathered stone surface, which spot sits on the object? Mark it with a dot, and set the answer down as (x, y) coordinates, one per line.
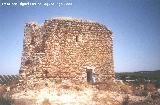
(65, 48)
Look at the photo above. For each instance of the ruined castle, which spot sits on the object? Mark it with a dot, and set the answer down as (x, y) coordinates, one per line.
(67, 48)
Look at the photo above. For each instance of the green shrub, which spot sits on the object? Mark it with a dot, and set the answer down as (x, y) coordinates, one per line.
(157, 83)
(5, 99)
(145, 93)
(155, 95)
(125, 100)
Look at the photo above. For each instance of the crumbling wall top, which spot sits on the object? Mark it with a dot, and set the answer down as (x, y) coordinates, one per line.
(66, 19)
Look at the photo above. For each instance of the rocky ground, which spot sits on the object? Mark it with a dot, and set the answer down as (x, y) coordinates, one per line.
(67, 93)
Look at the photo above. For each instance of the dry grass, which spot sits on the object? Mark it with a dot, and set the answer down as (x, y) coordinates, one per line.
(67, 93)
(46, 102)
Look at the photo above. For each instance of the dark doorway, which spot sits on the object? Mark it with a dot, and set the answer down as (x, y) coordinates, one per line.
(89, 75)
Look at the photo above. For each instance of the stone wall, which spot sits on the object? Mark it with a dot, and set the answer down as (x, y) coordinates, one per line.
(67, 48)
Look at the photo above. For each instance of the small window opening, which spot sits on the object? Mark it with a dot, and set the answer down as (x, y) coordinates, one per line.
(76, 38)
(32, 41)
(39, 49)
(28, 62)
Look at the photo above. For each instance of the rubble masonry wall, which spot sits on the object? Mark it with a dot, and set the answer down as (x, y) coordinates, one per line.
(64, 48)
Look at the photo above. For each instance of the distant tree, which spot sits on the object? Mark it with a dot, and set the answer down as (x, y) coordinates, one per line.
(157, 83)
(123, 77)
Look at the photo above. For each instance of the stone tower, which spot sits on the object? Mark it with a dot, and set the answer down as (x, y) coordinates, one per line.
(67, 48)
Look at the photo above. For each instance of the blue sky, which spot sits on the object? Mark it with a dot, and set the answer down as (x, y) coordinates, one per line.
(135, 25)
